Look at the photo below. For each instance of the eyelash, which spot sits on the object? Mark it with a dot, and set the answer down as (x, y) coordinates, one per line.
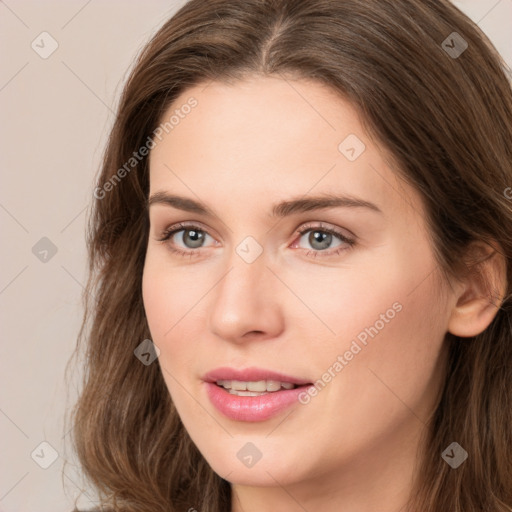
(176, 228)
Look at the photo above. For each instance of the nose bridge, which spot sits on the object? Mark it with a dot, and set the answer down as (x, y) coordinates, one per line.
(244, 299)
(245, 280)
(246, 261)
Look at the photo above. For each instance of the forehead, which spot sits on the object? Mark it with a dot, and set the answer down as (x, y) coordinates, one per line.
(268, 137)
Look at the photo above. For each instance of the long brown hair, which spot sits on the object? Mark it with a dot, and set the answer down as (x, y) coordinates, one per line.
(442, 109)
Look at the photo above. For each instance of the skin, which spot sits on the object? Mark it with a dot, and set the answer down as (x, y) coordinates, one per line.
(243, 148)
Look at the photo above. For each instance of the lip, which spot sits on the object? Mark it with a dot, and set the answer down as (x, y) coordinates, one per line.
(252, 408)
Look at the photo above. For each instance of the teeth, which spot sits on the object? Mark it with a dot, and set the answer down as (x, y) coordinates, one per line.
(261, 385)
(238, 386)
(254, 388)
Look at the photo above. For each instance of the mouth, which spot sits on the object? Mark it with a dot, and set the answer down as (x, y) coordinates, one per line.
(253, 394)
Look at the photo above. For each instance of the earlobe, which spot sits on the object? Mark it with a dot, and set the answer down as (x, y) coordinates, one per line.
(483, 291)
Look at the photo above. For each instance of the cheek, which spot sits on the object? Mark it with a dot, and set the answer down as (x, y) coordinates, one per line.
(336, 306)
(391, 363)
(167, 299)
(171, 297)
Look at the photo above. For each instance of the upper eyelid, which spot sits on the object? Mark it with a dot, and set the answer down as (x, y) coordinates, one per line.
(183, 226)
(321, 227)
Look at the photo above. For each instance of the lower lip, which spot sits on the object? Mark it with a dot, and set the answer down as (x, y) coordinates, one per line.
(253, 408)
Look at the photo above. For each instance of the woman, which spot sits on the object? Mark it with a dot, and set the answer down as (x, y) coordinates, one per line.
(300, 255)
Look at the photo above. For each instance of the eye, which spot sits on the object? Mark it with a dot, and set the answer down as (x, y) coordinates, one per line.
(192, 236)
(321, 238)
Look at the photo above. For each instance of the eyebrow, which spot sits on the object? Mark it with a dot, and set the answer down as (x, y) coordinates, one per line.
(282, 209)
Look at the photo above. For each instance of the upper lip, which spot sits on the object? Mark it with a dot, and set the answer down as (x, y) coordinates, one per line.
(251, 375)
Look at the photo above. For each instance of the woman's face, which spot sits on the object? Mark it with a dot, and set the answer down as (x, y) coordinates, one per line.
(354, 304)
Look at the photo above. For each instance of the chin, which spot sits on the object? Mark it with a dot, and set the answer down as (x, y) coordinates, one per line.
(265, 472)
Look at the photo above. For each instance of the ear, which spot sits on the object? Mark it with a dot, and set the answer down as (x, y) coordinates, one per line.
(481, 292)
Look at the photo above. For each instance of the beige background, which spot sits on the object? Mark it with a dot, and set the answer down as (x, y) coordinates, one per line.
(56, 113)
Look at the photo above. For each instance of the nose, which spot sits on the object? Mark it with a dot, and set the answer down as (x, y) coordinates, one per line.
(245, 304)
